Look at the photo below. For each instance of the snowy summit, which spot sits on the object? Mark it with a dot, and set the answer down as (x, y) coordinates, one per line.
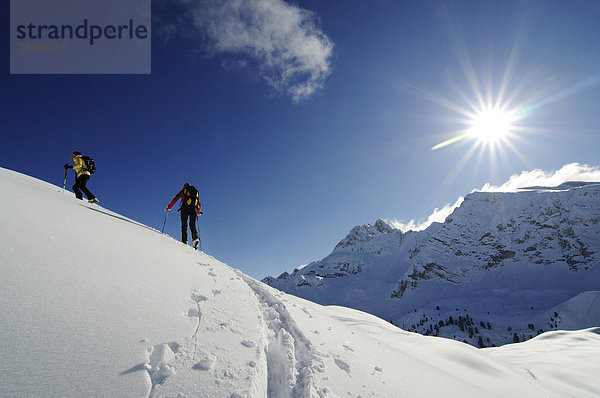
(503, 267)
(94, 304)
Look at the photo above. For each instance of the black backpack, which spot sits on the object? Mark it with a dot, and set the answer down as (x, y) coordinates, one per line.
(190, 197)
(88, 164)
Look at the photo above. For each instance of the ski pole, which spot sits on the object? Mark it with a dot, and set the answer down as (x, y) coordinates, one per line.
(198, 230)
(65, 181)
(164, 222)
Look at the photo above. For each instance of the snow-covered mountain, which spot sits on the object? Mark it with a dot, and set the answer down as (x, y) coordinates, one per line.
(94, 304)
(503, 267)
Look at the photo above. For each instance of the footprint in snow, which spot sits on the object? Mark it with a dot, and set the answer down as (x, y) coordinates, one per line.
(174, 346)
(227, 374)
(194, 313)
(158, 366)
(347, 347)
(197, 297)
(205, 363)
(307, 313)
(342, 365)
(248, 343)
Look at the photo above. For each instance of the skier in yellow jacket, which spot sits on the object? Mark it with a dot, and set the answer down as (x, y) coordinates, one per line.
(83, 177)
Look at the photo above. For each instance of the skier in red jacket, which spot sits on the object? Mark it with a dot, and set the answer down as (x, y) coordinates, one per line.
(190, 209)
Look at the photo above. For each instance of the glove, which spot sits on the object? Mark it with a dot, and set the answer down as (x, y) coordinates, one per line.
(167, 208)
(201, 213)
(67, 166)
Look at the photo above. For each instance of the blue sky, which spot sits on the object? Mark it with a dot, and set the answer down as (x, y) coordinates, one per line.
(314, 116)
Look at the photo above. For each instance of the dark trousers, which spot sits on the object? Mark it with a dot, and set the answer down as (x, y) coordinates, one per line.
(188, 213)
(79, 187)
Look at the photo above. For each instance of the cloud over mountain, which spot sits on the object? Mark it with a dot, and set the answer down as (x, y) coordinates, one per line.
(540, 178)
(531, 178)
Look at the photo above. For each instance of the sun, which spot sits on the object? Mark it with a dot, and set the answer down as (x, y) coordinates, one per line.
(491, 125)
(488, 126)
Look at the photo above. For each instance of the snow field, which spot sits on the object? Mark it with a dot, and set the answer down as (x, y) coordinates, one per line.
(102, 306)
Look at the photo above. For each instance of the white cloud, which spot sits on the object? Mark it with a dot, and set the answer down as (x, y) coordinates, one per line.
(290, 51)
(569, 172)
(438, 215)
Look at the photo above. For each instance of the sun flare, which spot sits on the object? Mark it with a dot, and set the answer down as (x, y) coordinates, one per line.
(491, 125)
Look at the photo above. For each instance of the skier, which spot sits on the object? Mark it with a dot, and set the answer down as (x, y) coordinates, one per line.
(83, 176)
(190, 209)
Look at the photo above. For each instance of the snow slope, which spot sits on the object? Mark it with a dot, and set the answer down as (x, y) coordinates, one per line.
(504, 265)
(93, 304)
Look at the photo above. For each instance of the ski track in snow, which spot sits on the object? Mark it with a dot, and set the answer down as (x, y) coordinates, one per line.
(291, 358)
(204, 363)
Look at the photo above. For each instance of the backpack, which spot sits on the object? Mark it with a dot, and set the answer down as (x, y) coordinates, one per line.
(88, 164)
(190, 197)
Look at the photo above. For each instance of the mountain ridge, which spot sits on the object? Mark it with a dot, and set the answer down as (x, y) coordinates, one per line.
(521, 253)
